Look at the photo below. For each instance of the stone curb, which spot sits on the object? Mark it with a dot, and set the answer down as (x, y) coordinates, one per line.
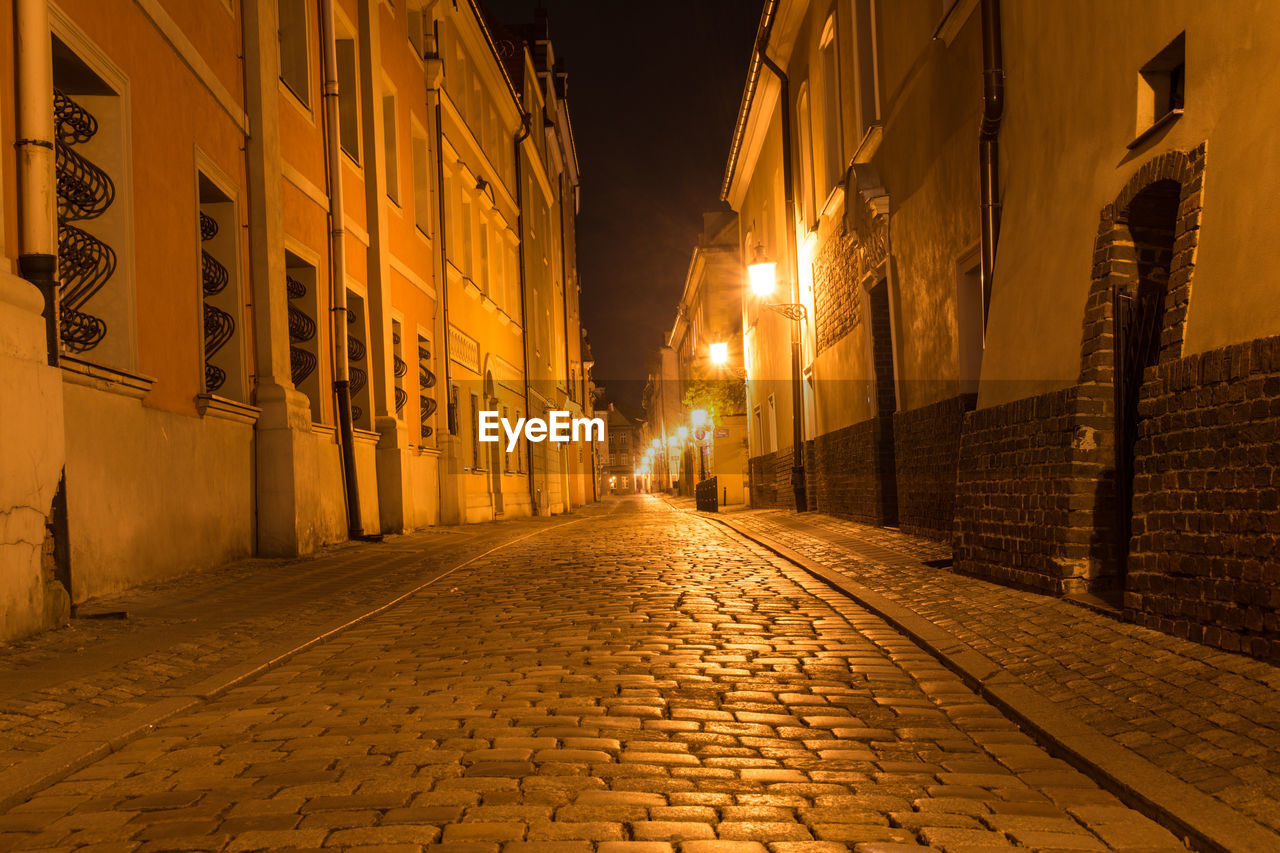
(1204, 823)
(24, 779)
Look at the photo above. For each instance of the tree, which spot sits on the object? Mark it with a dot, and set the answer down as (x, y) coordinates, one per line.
(720, 397)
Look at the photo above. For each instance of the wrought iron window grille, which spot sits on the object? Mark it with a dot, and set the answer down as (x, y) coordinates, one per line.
(219, 326)
(85, 191)
(302, 328)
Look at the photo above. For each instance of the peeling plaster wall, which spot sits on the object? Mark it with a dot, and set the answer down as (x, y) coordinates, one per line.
(31, 464)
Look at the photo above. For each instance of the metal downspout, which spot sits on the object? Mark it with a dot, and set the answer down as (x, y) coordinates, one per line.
(37, 197)
(524, 313)
(788, 184)
(337, 272)
(988, 144)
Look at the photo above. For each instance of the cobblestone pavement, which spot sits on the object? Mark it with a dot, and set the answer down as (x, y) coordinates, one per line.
(634, 683)
(1209, 717)
(63, 683)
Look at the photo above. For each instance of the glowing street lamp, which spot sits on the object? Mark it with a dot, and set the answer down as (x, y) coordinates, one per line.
(698, 417)
(683, 432)
(720, 353)
(762, 273)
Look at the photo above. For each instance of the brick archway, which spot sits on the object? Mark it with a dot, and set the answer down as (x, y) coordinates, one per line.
(1115, 261)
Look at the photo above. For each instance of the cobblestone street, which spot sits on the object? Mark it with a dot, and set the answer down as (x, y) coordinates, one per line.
(637, 680)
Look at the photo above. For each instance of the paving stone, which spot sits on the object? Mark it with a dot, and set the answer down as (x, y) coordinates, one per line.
(665, 687)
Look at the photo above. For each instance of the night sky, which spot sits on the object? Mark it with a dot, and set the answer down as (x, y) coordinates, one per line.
(654, 87)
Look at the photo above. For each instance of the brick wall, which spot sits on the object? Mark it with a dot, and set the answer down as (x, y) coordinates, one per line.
(1014, 495)
(927, 450)
(850, 471)
(836, 303)
(771, 480)
(1205, 555)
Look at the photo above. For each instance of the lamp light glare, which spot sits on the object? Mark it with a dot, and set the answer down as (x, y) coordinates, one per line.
(720, 353)
(683, 432)
(699, 418)
(763, 277)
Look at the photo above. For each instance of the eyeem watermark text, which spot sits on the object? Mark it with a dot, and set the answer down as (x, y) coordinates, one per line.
(560, 427)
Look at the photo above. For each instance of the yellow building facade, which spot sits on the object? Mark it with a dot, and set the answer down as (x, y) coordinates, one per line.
(223, 221)
(1036, 317)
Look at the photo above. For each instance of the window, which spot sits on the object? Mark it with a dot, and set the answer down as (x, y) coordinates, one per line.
(1162, 88)
(220, 292)
(294, 53)
(486, 286)
(421, 183)
(771, 427)
(866, 97)
(348, 99)
(358, 363)
(829, 63)
(464, 226)
(390, 149)
(475, 433)
(969, 321)
(417, 21)
(520, 446)
(506, 455)
(304, 352)
(400, 368)
(95, 232)
(805, 125)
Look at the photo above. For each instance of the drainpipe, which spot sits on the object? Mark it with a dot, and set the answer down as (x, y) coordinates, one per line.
(337, 272)
(988, 144)
(527, 122)
(788, 185)
(37, 198)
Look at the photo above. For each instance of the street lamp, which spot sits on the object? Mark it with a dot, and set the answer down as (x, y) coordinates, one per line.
(762, 272)
(720, 353)
(698, 417)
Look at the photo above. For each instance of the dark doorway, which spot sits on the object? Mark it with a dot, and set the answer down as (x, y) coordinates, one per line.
(1139, 319)
(886, 398)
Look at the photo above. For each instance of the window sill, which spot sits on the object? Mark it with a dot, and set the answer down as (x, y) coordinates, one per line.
(109, 379)
(1156, 126)
(211, 405)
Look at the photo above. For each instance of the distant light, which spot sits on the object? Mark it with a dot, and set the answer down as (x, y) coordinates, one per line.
(720, 353)
(657, 444)
(699, 418)
(683, 432)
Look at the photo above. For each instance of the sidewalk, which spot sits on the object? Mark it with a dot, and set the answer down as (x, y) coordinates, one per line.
(1209, 718)
(85, 689)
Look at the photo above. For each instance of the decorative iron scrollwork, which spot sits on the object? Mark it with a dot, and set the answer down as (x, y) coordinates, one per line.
(426, 380)
(355, 349)
(301, 327)
(213, 274)
(358, 379)
(402, 397)
(218, 329)
(85, 191)
(398, 365)
(428, 407)
(302, 362)
(219, 326)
